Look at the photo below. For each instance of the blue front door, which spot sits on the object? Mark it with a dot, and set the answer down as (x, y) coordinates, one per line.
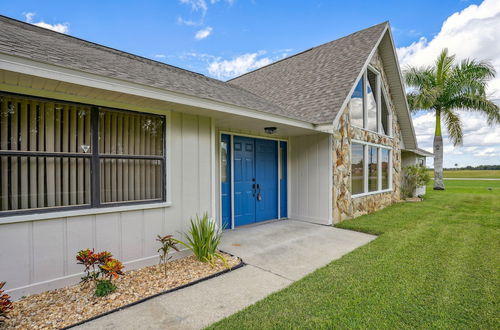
(255, 180)
(266, 174)
(244, 180)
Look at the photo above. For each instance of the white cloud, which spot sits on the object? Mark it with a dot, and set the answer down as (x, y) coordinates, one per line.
(188, 22)
(225, 69)
(59, 27)
(196, 5)
(470, 33)
(29, 17)
(160, 56)
(203, 33)
(202, 5)
(199, 6)
(481, 143)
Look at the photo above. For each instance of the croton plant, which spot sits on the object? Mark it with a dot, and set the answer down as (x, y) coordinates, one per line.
(5, 304)
(100, 268)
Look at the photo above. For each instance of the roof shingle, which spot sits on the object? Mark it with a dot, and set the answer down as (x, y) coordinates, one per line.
(42, 45)
(314, 83)
(310, 86)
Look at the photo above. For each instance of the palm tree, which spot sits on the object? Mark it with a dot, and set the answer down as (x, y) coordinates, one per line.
(444, 89)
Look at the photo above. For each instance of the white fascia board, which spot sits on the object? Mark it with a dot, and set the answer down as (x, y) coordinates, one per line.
(398, 68)
(326, 128)
(50, 71)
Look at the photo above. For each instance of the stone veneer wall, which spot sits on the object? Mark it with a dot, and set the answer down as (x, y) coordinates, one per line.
(344, 206)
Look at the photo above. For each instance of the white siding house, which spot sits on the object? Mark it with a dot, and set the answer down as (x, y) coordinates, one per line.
(103, 149)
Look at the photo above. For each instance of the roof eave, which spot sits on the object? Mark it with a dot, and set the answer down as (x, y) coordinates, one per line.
(420, 152)
(411, 140)
(49, 71)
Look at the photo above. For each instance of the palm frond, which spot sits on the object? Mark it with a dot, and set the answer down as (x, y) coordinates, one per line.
(424, 93)
(444, 65)
(453, 126)
(419, 78)
(422, 100)
(476, 103)
(470, 76)
(474, 69)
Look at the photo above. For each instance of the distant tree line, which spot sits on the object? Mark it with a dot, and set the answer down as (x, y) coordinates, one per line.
(479, 167)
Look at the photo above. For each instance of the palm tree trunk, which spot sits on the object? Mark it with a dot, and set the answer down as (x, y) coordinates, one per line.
(438, 154)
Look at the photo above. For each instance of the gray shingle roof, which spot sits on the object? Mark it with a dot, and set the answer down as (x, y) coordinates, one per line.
(310, 86)
(314, 83)
(39, 44)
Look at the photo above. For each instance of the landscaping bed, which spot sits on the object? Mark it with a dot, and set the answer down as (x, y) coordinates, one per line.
(70, 305)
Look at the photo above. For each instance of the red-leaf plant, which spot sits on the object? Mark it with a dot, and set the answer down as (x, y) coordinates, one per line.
(5, 304)
(99, 266)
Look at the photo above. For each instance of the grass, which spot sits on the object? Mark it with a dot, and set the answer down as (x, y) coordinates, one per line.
(483, 174)
(436, 264)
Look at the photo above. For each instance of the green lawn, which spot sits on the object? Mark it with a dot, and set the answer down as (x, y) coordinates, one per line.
(436, 264)
(470, 174)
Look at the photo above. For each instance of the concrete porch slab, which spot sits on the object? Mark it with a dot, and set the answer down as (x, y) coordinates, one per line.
(277, 254)
(291, 248)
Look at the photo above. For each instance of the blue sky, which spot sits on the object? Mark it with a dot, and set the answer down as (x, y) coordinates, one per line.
(150, 28)
(222, 38)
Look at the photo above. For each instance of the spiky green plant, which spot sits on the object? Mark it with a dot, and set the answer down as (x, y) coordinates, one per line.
(203, 239)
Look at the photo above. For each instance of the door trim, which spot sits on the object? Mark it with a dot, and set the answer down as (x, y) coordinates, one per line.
(231, 145)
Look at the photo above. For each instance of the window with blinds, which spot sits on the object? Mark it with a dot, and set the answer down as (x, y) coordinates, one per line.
(130, 156)
(63, 155)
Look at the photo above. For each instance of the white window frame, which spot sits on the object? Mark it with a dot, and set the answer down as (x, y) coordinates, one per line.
(379, 168)
(379, 89)
(389, 114)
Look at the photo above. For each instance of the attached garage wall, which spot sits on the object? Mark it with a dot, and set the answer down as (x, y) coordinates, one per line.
(40, 255)
(310, 178)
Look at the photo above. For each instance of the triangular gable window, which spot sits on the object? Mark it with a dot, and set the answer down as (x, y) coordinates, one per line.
(368, 104)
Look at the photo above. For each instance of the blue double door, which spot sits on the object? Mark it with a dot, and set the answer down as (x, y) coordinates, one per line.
(255, 180)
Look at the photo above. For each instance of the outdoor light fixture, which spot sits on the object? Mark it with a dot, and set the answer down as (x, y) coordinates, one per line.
(270, 130)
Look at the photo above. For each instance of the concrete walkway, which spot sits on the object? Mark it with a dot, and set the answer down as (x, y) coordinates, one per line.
(276, 253)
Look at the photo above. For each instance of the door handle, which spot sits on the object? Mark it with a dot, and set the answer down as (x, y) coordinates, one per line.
(253, 190)
(259, 196)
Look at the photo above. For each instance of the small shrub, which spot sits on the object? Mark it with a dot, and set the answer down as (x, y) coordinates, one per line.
(167, 243)
(414, 176)
(100, 268)
(203, 239)
(92, 261)
(104, 287)
(5, 304)
(111, 268)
